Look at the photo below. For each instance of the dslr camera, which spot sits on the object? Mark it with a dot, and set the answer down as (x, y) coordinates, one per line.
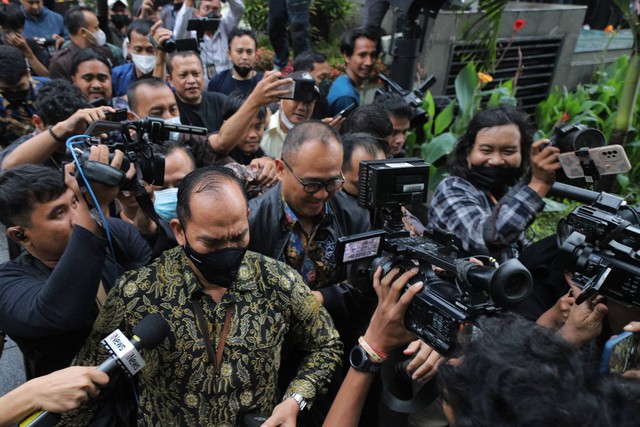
(572, 137)
(455, 293)
(599, 244)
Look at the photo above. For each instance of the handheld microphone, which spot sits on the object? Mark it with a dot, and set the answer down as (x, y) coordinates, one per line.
(149, 333)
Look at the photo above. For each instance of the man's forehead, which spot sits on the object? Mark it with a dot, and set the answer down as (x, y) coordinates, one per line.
(93, 65)
(149, 97)
(183, 62)
(139, 39)
(244, 41)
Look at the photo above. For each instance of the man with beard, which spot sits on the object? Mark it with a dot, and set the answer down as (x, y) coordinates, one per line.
(85, 32)
(197, 108)
(360, 48)
(90, 71)
(242, 53)
(214, 45)
(17, 95)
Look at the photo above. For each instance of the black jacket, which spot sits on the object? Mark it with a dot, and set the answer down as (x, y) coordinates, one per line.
(269, 236)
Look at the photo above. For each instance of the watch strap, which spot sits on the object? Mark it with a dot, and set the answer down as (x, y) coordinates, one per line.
(302, 403)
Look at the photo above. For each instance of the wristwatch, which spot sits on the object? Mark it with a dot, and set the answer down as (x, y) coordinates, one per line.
(360, 360)
(301, 402)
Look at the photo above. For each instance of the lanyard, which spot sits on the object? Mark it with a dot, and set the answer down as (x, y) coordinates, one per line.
(216, 358)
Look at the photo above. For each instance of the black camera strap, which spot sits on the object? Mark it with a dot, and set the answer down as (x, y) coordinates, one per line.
(144, 200)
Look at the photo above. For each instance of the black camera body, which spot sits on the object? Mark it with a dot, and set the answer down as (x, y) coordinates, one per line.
(149, 131)
(452, 297)
(572, 137)
(599, 244)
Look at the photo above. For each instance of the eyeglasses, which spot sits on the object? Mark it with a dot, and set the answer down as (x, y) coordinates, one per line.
(315, 186)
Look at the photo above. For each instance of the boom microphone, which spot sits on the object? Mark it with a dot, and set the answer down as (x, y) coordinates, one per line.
(149, 333)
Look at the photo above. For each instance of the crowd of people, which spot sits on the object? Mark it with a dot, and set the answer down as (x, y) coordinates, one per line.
(227, 224)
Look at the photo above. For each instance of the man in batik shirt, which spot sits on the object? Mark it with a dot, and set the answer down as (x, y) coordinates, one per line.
(229, 311)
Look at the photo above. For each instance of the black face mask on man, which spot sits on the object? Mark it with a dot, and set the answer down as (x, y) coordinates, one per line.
(242, 71)
(218, 267)
(494, 178)
(120, 21)
(16, 96)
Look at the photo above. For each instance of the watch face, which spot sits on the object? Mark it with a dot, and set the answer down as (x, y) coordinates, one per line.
(357, 356)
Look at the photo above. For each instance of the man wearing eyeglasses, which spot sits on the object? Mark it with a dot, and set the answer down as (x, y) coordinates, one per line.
(300, 220)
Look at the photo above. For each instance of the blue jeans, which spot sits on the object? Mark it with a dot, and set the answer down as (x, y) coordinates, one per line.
(296, 13)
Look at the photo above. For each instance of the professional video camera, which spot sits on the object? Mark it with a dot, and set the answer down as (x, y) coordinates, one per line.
(572, 137)
(148, 131)
(599, 244)
(449, 299)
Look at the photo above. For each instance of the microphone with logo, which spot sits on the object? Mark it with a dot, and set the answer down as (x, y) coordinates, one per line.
(148, 334)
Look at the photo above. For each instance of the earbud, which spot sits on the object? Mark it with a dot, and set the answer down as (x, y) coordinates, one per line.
(19, 235)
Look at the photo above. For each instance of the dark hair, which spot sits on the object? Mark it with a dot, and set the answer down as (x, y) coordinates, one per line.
(370, 119)
(351, 141)
(57, 100)
(349, 37)
(240, 32)
(312, 130)
(168, 147)
(140, 26)
(88, 54)
(395, 106)
(516, 373)
(153, 82)
(495, 116)
(11, 17)
(13, 65)
(23, 186)
(74, 19)
(211, 178)
(181, 54)
(305, 60)
(234, 101)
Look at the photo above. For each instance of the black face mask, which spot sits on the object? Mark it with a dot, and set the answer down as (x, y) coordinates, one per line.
(243, 71)
(17, 96)
(494, 178)
(219, 267)
(120, 21)
(177, 6)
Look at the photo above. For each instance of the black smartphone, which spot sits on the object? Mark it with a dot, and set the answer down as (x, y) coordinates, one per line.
(345, 112)
(300, 89)
(120, 115)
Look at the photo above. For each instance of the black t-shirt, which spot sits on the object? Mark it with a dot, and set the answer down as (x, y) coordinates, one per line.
(244, 158)
(207, 114)
(224, 82)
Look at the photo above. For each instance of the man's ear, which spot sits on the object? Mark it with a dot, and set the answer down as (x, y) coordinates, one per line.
(17, 234)
(280, 168)
(178, 231)
(37, 122)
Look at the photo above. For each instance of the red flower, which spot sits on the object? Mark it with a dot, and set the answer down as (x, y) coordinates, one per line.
(565, 117)
(517, 26)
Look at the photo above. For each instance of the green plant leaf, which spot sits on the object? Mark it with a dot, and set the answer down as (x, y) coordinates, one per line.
(466, 84)
(438, 147)
(444, 119)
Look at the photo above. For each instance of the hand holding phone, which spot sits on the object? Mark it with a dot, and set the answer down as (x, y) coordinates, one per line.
(345, 112)
(621, 353)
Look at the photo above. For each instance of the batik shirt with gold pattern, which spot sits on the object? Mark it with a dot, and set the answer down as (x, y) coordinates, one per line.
(179, 385)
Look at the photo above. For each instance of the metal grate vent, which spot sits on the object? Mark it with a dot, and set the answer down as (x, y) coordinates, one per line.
(539, 58)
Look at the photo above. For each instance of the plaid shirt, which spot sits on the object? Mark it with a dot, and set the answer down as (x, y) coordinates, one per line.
(484, 226)
(15, 118)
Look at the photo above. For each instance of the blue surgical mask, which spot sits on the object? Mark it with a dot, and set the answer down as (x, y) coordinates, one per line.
(165, 203)
(173, 121)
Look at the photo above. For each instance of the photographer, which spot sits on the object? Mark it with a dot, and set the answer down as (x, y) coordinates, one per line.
(53, 291)
(147, 60)
(12, 22)
(483, 202)
(213, 50)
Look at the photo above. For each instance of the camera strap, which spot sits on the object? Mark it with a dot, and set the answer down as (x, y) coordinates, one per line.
(144, 200)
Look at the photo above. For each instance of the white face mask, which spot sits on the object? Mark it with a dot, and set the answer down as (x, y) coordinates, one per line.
(173, 121)
(285, 120)
(99, 38)
(144, 63)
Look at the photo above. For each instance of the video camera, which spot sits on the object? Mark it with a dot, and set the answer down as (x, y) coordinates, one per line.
(600, 243)
(449, 300)
(148, 131)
